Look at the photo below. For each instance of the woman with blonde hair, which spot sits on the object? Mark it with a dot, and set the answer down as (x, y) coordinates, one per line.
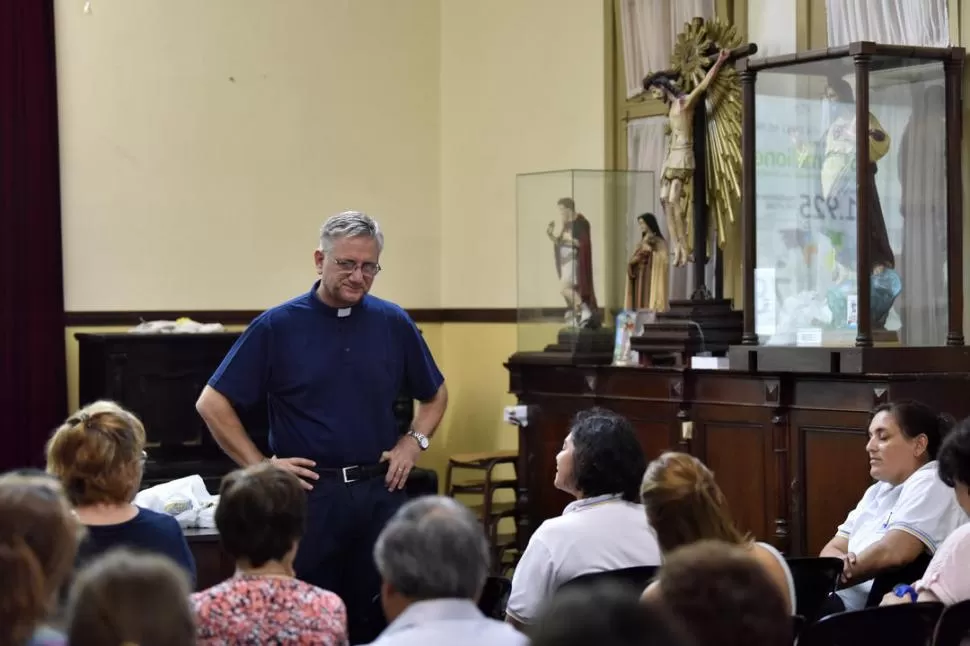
(98, 455)
(38, 543)
(684, 505)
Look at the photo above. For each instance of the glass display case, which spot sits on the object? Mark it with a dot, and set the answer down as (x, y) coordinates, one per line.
(576, 232)
(853, 227)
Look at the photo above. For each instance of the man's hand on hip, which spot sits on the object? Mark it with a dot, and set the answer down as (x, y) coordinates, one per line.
(301, 467)
(401, 460)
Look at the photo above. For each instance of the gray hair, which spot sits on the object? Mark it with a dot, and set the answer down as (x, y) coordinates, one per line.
(350, 224)
(433, 548)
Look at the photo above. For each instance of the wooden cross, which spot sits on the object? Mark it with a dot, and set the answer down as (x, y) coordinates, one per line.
(699, 200)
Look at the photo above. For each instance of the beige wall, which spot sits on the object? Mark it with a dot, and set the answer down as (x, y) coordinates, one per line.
(184, 189)
(203, 143)
(522, 90)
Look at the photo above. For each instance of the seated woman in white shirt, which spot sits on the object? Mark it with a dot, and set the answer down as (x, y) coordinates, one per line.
(908, 510)
(947, 578)
(684, 505)
(604, 529)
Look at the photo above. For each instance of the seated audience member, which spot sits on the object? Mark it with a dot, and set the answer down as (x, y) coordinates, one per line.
(98, 454)
(38, 544)
(947, 578)
(261, 518)
(604, 529)
(603, 614)
(433, 558)
(123, 597)
(722, 596)
(684, 505)
(907, 511)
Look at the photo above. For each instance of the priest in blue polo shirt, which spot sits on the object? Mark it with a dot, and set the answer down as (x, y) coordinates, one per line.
(330, 364)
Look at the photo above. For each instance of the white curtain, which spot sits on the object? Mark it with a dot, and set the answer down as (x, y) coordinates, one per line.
(911, 179)
(649, 31)
(646, 147)
(890, 22)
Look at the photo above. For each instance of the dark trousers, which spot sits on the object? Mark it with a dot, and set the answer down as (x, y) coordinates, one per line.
(336, 553)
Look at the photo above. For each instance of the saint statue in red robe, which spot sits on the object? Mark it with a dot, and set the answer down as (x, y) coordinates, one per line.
(574, 265)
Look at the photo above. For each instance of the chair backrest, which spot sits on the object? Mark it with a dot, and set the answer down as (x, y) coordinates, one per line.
(884, 582)
(798, 624)
(815, 579)
(495, 596)
(635, 577)
(909, 624)
(954, 625)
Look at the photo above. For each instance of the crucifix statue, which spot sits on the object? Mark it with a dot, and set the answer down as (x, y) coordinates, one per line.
(700, 200)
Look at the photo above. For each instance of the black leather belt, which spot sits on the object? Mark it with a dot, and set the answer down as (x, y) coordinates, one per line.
(355, 472)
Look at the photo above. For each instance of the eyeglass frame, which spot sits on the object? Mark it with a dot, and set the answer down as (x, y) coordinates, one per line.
(367, 269)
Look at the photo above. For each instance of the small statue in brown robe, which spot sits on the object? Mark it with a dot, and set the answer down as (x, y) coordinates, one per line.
(648, 270)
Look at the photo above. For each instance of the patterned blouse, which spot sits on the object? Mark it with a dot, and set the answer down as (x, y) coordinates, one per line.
(252, 609)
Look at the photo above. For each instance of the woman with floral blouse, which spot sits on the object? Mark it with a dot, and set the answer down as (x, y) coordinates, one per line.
(261, 517)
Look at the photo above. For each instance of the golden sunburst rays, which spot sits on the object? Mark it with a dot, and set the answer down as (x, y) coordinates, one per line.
(692, 55)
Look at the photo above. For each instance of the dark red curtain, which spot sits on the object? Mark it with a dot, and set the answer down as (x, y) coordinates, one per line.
(33, 388)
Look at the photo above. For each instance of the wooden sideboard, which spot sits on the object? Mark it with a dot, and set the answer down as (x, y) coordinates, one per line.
(159, 377)
(788, 449)
(212, 564)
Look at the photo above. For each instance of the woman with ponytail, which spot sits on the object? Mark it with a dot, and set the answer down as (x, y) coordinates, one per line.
(684, 505)
(38, 543)
(98, 454)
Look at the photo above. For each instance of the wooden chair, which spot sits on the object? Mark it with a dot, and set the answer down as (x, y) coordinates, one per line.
(954, 625)
(884, 582)
(637, 578)
(910, 624)
(487, 509)
(798, 624)
(815, 579)
(495, 596)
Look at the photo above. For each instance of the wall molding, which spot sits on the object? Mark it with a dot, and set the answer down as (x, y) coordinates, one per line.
(243, 317)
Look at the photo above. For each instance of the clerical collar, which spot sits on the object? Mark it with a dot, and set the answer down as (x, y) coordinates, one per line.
(335, 312)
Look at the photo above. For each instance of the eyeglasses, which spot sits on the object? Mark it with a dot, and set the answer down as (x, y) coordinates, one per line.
(368, 269)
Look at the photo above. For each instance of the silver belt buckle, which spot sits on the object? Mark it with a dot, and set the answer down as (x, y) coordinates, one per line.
(348, 480)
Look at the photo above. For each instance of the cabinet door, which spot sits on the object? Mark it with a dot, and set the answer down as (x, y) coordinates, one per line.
(539, 443)
(655, 422)
(832, 471)
(736, 443)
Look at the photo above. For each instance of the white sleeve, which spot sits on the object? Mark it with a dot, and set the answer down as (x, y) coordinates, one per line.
(532, 583)
(926, 509)
(848, 526)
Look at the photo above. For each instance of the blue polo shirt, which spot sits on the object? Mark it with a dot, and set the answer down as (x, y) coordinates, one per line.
(329, 377)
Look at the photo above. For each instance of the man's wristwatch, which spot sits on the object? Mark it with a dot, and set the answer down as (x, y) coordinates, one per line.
(422, 440)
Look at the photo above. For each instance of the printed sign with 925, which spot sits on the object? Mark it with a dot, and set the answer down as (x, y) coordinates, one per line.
(817, 207)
